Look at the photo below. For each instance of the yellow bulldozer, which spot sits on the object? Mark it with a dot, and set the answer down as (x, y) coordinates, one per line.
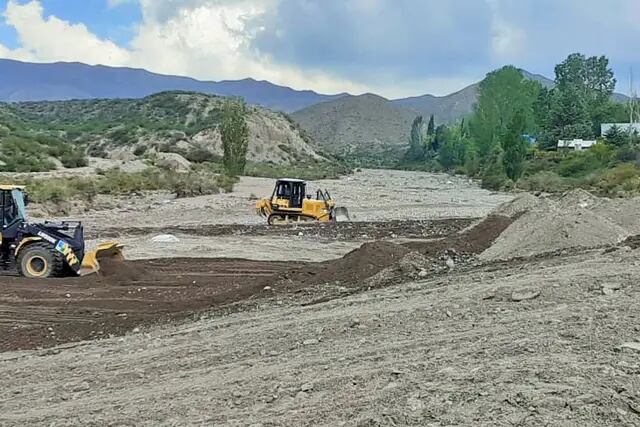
(48, 249)
(290, 203)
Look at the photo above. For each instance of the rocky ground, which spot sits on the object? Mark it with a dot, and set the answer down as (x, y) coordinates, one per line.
(429, 321)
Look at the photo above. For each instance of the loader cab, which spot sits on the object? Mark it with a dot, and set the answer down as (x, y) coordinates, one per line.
(13, 202)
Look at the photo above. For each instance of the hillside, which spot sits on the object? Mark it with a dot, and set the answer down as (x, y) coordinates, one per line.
(355, 125)
(446, 109)
(40, 135)
(457, 105)
(22, 81)
(369, 125)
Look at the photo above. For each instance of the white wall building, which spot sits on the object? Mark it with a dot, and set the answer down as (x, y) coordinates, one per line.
(575, 144)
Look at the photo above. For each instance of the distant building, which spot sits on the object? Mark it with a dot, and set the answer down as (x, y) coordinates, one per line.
(575, 144)
(624, 127)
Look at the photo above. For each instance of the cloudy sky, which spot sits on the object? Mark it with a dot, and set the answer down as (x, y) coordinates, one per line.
(395, 48)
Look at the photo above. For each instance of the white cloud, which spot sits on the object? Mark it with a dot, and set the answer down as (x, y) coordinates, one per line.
(52, 39)
(508, 41)
(206, 40)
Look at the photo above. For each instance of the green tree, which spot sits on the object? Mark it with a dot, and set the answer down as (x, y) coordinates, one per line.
(502, 94)
(235, 136)
(453, 149)
(515, 147)
(617, 137)
(589, 80)
(568, 117)
(416, 145)
(431, 127)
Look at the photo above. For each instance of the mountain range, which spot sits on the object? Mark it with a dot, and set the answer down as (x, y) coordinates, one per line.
(340, 123)
(24, 81)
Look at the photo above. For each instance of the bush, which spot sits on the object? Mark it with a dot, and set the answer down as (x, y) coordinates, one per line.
(547, 181)
(202, 155)
(116, 182)
(307, 171)
(494, 177)
(622, 178)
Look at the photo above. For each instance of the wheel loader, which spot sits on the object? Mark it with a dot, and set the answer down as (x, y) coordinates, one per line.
(290, 203)
(48, 249)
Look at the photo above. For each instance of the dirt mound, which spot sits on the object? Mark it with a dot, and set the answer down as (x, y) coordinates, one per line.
(554, 227)
(122, 271)
(357, 265)
(516, 207)
(579, 198)
(471, 240)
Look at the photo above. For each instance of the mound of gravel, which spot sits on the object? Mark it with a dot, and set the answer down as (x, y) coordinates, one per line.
(516, 207)
(579, 219)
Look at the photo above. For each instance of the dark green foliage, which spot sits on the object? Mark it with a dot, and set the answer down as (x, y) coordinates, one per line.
(431, 127)
(494, 177)
(453, 151)
(235, 136)
(515, 147)
(416, 150)
(584, 87)
(502, 94)
(24, 152)
(617, 137)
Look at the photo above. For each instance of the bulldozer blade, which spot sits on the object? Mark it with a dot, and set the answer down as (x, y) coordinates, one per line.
(341, 213)
(91, 260)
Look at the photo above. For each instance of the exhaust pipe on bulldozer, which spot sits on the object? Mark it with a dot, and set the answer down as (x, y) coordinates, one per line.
(110, 252)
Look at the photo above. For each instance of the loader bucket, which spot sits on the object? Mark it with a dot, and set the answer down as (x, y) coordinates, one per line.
(91, 260)
(342, 214)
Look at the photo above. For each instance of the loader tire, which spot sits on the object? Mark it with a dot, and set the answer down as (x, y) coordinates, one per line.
(40, 261)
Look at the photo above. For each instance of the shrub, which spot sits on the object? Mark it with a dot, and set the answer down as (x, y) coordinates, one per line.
(622, 178)
(115, 182)
(547, 181)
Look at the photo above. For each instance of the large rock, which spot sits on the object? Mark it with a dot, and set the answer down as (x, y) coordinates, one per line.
(173, 161)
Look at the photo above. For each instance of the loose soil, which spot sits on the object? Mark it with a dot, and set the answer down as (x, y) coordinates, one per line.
(411, 330)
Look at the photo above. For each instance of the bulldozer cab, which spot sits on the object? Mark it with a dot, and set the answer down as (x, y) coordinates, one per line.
(289, 193)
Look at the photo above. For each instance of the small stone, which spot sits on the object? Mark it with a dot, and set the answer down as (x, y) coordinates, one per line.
(524, 295)
(135, 330)
(450, 263)
(613, 286)
(306, 387)
(83, 386)
(301, 395)
(267, 288)
(635, 346)
(423, 273)
(68, 295)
